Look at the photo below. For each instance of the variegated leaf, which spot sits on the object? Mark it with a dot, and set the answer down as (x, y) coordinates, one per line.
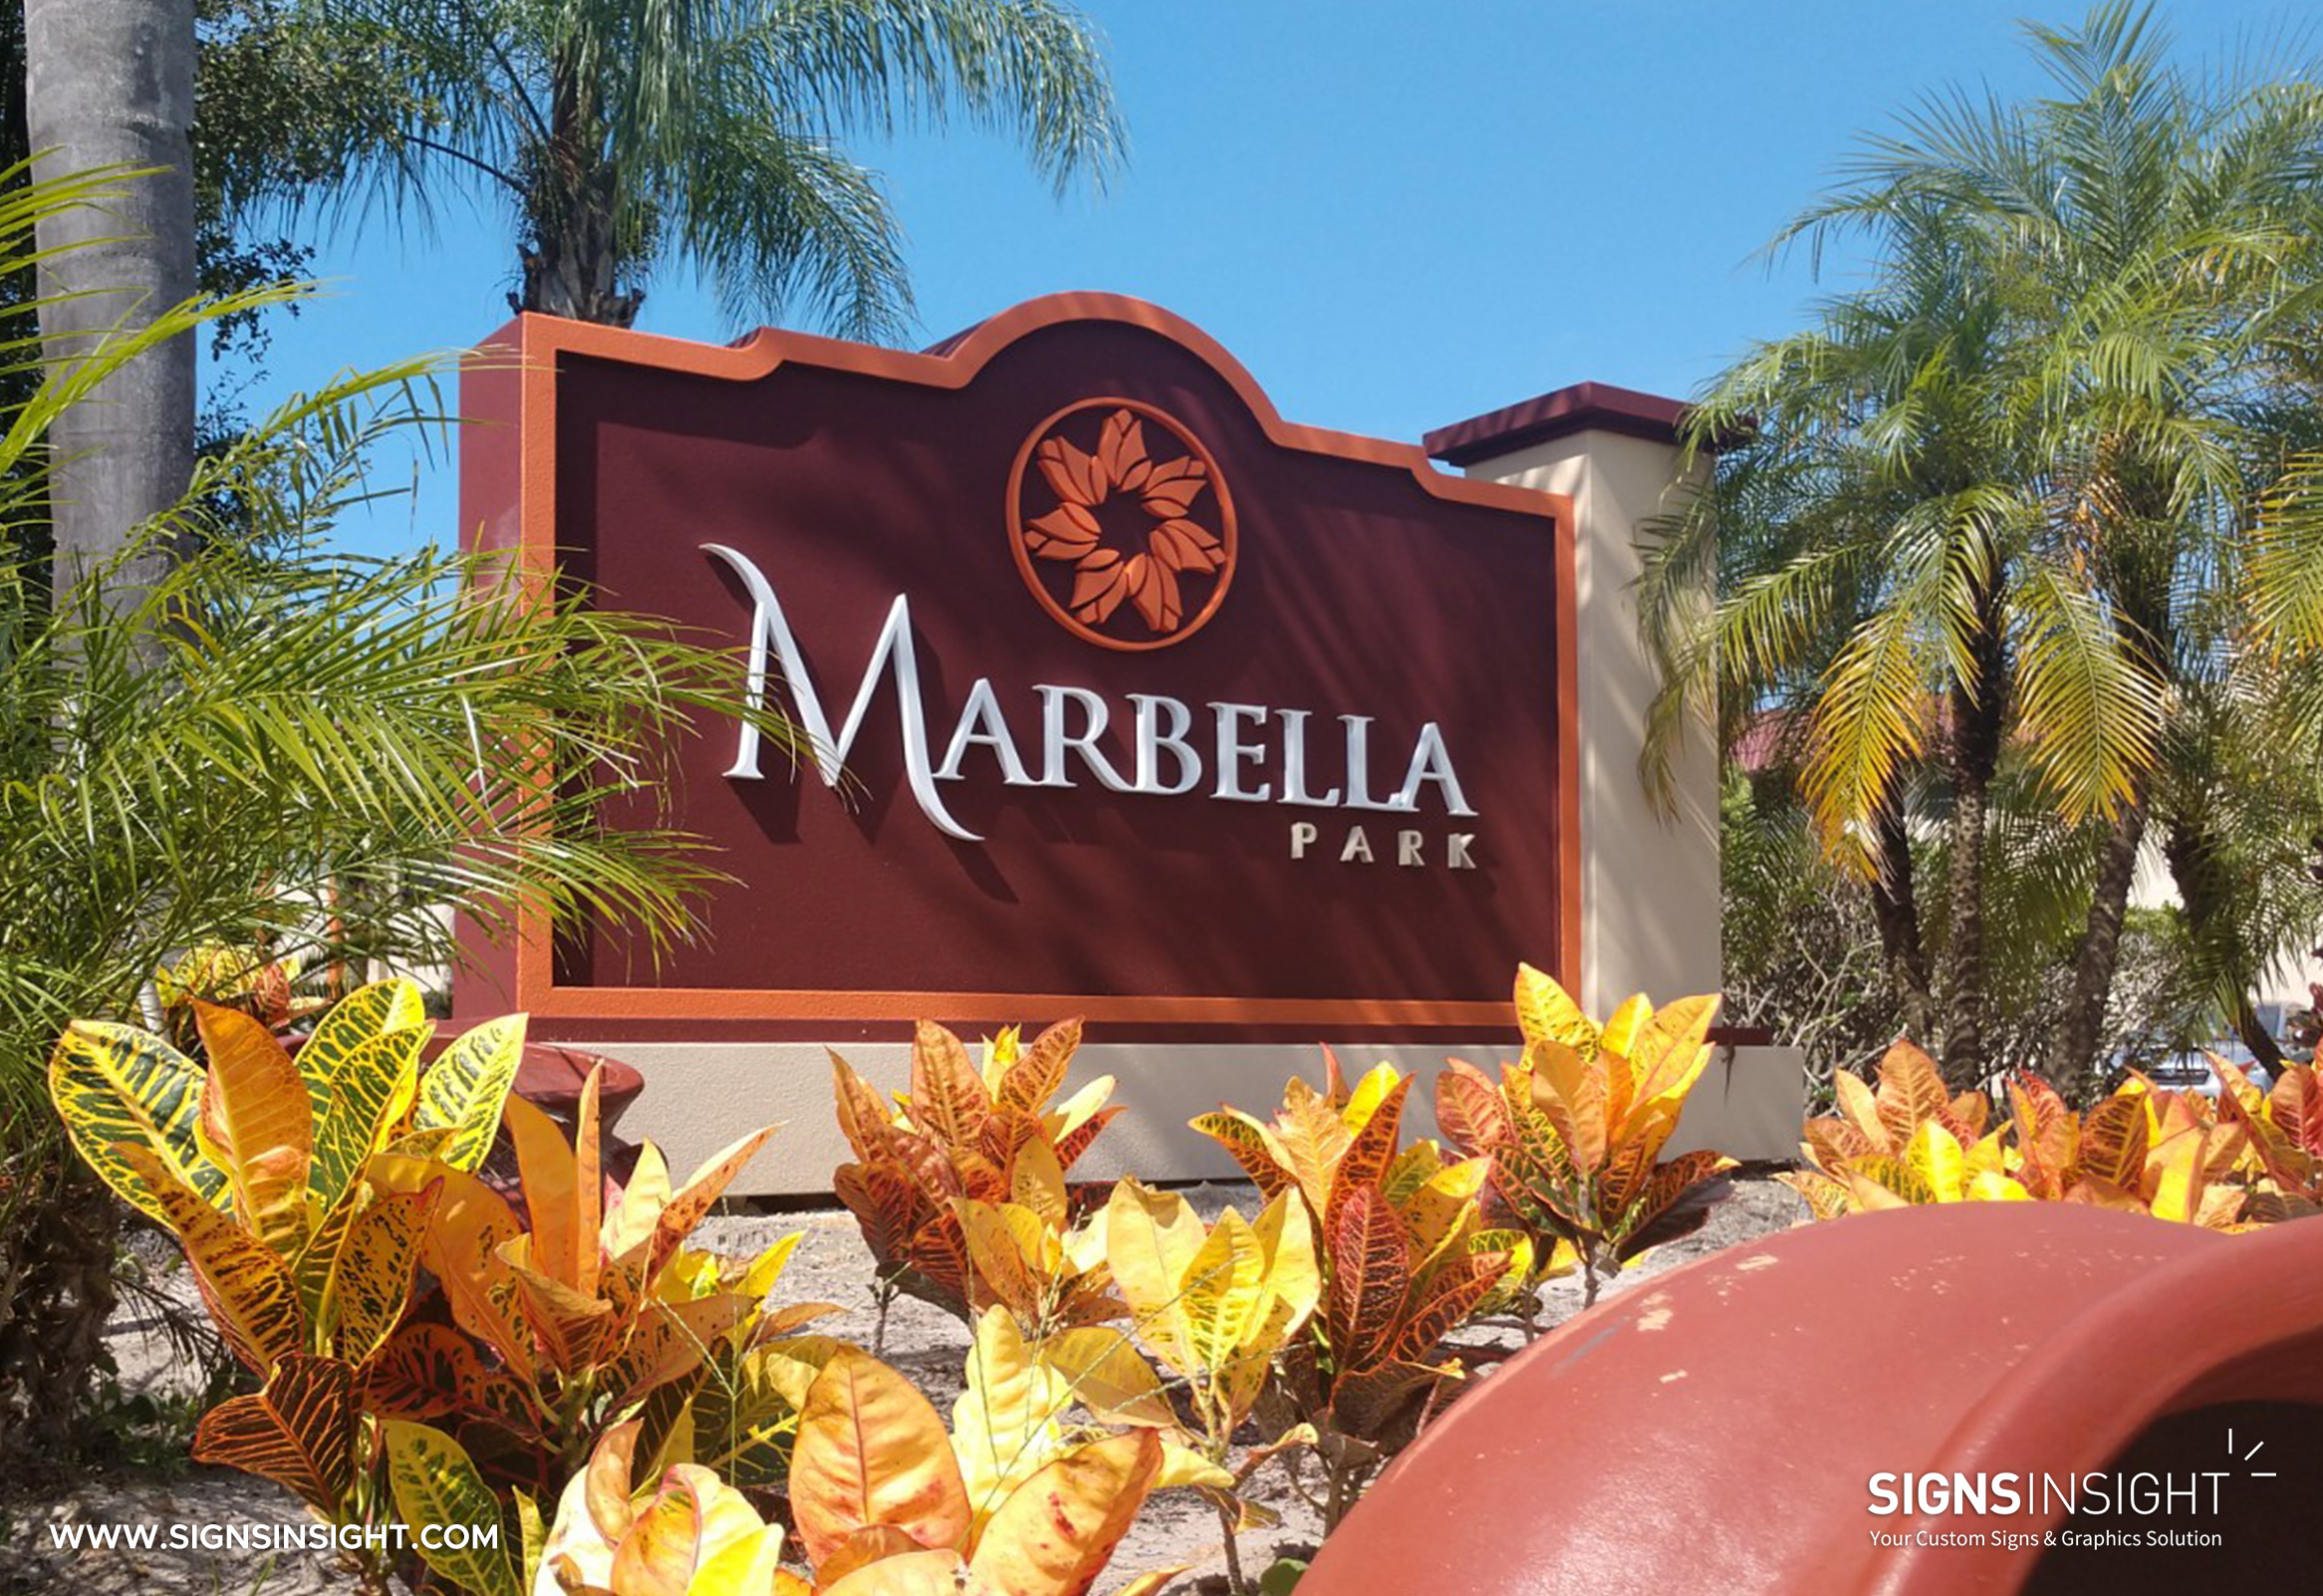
(371, 1279)
(435, 1482)
(255, 1123)
(1056, 1532)
(251, 1294)
(463, 1089)
(1468, 1109)
(431, 1371)
(948, 1100)
(299, 1431)
(361, 1016)
(1240, 1136)
(871, 1451)
(372, 1088)
(1369, 1274)
(1040, 1070)
(1371, 1148)
(1545, 1012)
(113, 1084)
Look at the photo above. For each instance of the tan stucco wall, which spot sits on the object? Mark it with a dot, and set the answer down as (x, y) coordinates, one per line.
(1649, 884)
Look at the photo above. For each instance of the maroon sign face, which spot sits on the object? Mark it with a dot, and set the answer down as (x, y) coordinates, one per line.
(1128, 697)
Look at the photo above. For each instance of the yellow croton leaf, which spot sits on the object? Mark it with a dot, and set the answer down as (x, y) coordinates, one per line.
(871, 1451)
(114, 1086)
(1005, 1425)
(1222, 1290)
(565, 1225)
(1369, 1094)
(1546, 1012)
(369, 1284)
(920, 1573)
(693, 1518)
(362, 1016)
(1079, 1108)
(1151, 1239)
(1307, 1139)
(463, 1091)
(1107, 1376)
(256, 1124)
(1934, 1155)
(370, 1094)
(1621, 1028)
(251, 1293)
(1056, 1531)
(1000, 1055)
(1670, 1050)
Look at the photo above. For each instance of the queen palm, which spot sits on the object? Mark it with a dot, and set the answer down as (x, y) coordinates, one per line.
(2120, 247)
(626, 137)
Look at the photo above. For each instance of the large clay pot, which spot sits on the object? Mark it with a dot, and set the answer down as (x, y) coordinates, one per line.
(1714, 1431)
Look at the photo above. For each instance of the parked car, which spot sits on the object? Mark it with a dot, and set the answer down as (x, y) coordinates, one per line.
(2191, 1071)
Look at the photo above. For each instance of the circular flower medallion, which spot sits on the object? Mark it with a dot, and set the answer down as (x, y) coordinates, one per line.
(1120, 524)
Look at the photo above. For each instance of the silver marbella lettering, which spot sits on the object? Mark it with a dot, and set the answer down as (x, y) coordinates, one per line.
(1166, 754)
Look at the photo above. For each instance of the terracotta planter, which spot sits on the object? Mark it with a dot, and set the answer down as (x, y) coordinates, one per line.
(1716, 1431)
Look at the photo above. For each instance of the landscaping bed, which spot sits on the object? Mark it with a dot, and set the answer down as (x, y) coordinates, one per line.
(831, 1265)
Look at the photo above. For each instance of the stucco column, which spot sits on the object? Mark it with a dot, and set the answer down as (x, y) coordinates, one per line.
(1649, 882)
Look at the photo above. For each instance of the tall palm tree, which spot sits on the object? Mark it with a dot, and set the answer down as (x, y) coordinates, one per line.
(2121, 246)
(108, 85)
(626, 137)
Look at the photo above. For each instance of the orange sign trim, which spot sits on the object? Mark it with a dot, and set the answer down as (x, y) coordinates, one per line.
(538, 341)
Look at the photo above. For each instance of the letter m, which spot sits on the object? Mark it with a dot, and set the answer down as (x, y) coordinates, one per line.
(770, 633)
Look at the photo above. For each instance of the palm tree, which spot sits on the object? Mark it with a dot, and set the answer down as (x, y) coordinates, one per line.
(255, 727)
(2162, 218)
(1886, 592)
(108, 85)
(2120, 250)
(626, 137)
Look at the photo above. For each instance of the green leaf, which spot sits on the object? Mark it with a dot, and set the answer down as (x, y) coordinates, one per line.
(114, 1084)
(465, 1089)
(363, 1015)
(435, 1483)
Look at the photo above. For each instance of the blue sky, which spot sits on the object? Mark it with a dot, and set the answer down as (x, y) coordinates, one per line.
(1395, 215)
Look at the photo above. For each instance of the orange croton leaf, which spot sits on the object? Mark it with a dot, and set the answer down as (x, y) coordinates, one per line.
(871, 1451)
(298, 1431)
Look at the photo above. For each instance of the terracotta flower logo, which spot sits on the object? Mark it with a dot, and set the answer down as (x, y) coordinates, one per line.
(1122, 526)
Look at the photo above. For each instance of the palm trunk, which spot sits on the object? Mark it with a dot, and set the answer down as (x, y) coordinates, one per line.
(1976, 754)
(2264, 1047)
(109, 83)
(2073, 1053)
(1895, 910)
(572, 260)
(2191, 850)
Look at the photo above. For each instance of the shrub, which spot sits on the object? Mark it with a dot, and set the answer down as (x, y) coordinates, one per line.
(588, 1312)
(270, 1173)
(307, 1194)
(1575, 1128)
(1406, 1258)
(884, 1502)
(1909, 1140)
(1216, 1306)
(2285, 1126)
(960, 1188)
